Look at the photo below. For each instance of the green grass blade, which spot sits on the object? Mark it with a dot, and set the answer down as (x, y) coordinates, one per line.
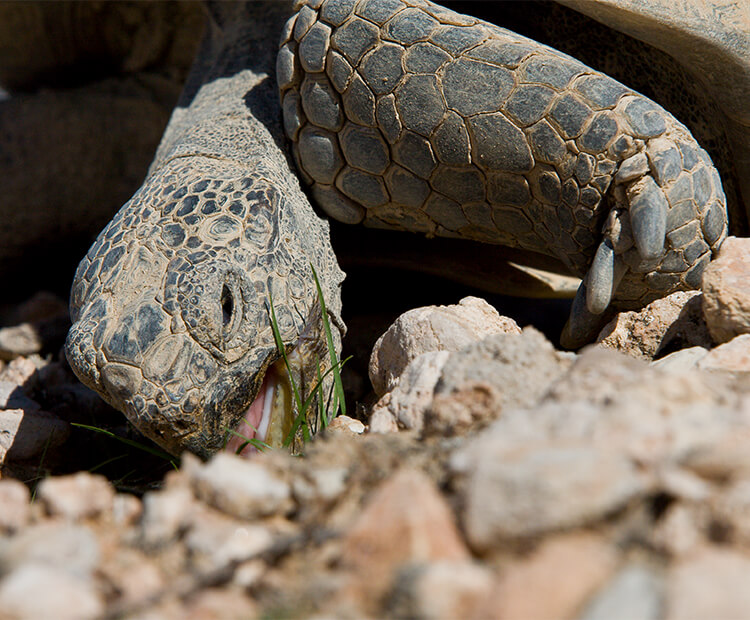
(306, 404)
(321, 417)
(256, 443)
(126, 441)
(329, 341)
(40, 466)
(107, 462)
(300, 417)
(282, 350)
(120, 482)
(331, 406)
(300, 421)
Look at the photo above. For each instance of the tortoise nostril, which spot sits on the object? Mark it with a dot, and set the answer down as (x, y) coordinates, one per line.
(227, 306)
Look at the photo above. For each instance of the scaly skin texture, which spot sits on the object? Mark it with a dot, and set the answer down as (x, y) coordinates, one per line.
(401, 115)
(171, 304)
(409, 116)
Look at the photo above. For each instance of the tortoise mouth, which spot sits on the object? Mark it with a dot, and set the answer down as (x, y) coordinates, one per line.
(289, 387)
(268, 419)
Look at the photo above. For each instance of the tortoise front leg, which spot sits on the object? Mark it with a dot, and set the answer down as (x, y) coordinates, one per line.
(407, 115)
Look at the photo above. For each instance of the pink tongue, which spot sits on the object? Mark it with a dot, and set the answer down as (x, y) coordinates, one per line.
(250, 422)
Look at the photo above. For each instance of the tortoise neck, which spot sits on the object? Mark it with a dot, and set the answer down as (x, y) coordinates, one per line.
(232, 82)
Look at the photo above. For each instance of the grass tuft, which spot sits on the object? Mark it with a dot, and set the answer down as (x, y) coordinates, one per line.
(305, 424)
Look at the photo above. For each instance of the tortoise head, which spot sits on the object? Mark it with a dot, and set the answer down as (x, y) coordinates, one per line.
(171, 307)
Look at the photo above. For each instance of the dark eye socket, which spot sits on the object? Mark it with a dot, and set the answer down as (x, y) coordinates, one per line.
(227, 307)
(231, 311)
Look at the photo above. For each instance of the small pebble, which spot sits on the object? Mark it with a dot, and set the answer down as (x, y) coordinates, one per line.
(15, 510)
(34, 591)
(77, 496)
(241, 488)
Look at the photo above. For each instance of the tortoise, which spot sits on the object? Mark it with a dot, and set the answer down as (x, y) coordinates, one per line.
(401, 114)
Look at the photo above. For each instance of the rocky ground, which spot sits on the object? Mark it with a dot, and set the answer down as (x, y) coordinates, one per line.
(497, 477)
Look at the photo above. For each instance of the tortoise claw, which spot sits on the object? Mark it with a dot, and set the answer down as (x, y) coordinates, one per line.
(648, 217)
(603, 277)
(582, 325)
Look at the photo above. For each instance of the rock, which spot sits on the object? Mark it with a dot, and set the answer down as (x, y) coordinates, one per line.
(19, 340)
(14, 499)
(247, 574)
(627, 405)
(382, 420)
(711, 583)
(731, 509)
(320, 485)
(241, 488)
(733, 356)
(675, 321)
(602, 436)
(722, 455)
(37, 324)
(135, 576)
(12, 396)
(25, 434)
(681, 361)
(596, 376)
(407, 402)
(220, 604)
(23, 371)
(438, 590)
(70, 548)
(77, 496)
(726, 291)
(165, 515)
(464, 388)
(682, 484)
(405, 521)
(635, 592)
(126, 509)
(469, 407)
(520, 369)
(38, 591)
(167, 607)
(544, 486)
(345, 424)
(554, 581)
(679, 530)
(215, 541)
(432, 328)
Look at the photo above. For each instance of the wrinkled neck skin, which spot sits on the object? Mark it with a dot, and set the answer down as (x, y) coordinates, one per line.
(171, 303)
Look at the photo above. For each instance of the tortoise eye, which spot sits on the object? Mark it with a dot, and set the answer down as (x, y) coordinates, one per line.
(227, 307)
(231, 311)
